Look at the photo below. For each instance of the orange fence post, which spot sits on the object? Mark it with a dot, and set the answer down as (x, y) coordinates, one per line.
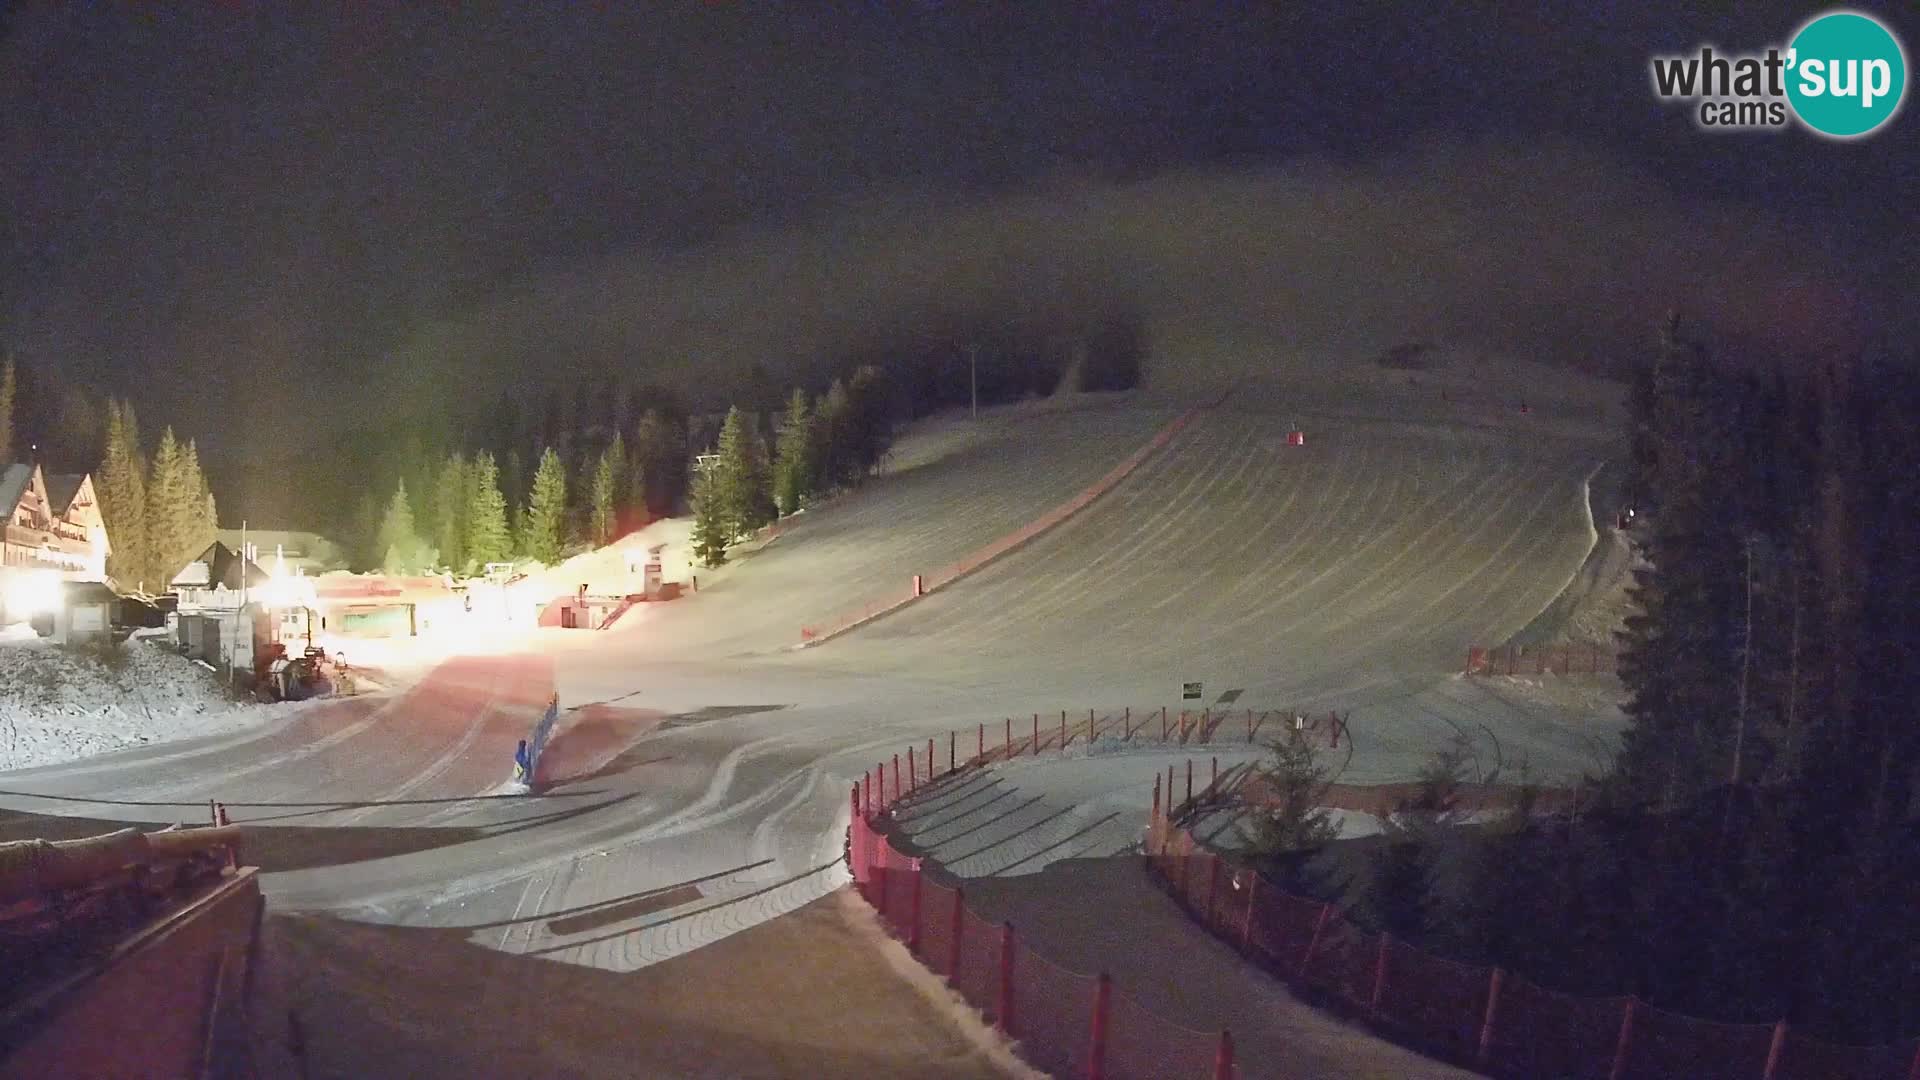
(913, 931)
(1004, 1021)
(1223, 1057)
(1774, 1049)
(1624, 1044)
(1097, 1038)
(1379, 977)
(1486, 1022)
(958, 927)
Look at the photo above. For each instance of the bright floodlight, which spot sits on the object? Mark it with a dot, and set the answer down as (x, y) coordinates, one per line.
(31, 592)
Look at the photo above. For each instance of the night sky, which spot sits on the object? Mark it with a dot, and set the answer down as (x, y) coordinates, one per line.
(268, 226)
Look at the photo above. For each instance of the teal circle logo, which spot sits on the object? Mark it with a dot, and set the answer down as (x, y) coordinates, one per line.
(1846, 74)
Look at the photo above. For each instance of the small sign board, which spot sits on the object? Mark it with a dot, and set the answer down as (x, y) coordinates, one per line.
(1190, 691)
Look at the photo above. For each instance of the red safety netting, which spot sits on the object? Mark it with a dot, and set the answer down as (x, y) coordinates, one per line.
(1282, 925)
(1343, 961)
(1668, 1044)
(1436, 1004)
(1052, 1013)
(978, 978)
(1143, 1046)
(1806, 1058)
(937, 907)
(1538, 1032)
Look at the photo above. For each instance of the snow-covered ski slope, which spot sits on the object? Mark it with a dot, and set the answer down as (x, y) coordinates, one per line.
(942, 497)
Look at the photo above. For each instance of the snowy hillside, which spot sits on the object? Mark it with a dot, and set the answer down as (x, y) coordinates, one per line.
(60, 704)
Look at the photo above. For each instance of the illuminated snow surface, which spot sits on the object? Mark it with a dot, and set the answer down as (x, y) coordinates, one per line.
(703, 764)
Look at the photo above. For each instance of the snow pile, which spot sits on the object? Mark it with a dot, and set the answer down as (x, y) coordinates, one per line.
(59, 704)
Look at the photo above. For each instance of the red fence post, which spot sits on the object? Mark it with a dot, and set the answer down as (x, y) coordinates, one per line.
(1486, 1022)
(958, 928)
(1156, 797)
(1624, 1044)
(918, 590)
(1213, 888)
(913, 774)
(929, 759)
(222, 807)
(913, 933)
(1004, 1021)
(1189, 781)
(1246, 917)
(1097, 1039)
(1223, 1057)
(1036, 734)
(1093, 727)
(1008, 756)
(1379, 977)
(1063, 729)
(1774, 1049)
(896, 777)
(1313, 943)
(1169, 791)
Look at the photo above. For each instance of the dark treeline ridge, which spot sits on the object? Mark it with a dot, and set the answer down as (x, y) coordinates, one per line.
(1751, 854)
(618, 452)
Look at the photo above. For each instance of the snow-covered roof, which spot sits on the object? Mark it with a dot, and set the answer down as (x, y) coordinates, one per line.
(218, 565)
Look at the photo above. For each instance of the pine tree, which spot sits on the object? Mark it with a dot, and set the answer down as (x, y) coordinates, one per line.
(833, 426)
(711, 532)
(452, 500)
(487, 538)
(546, 517)
(605, 510)
(7, 391)
(793, 468)
(396, 528)
(660, 445)
(738, 481)
(122, 490)
(200, 512)
(167, 512)
(513, 487)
